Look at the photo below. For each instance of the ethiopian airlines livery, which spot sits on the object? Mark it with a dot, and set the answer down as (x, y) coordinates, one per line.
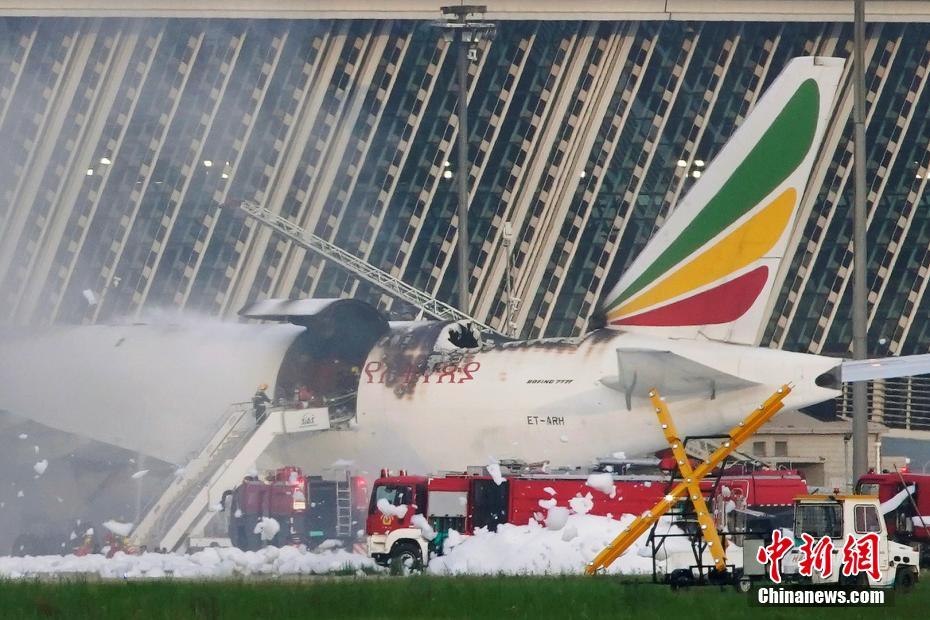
(684, 318)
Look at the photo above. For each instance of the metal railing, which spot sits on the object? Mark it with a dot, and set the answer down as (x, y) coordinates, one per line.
(359, 266)
(902, 402)
(702, 448)
(180, 492)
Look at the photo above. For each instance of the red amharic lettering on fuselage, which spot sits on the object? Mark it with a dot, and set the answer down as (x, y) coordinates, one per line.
(449, 374)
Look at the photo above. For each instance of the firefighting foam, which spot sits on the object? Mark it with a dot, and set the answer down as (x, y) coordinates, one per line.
(531, 549)
(159, 388)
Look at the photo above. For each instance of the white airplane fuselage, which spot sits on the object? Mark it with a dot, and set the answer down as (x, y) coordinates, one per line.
(552, 400)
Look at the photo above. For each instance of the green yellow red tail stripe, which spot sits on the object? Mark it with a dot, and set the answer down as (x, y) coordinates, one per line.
(717, 254)
(721, 304)
(740, 248)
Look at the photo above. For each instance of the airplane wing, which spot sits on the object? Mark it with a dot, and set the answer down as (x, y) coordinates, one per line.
(670, 373)
(885, 367)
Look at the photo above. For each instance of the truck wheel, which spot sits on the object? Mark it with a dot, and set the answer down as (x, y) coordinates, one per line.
(744, 584)
(860, 581)
(250, 540)
(405, 558)
(235, 536)
(25, 544)
(905, 578)
(681, 578)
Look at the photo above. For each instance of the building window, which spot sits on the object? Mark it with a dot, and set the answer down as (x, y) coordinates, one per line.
(781, 448)
(758, 448)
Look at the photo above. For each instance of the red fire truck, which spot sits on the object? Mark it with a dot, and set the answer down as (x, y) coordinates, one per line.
(905, 499)
(308, 509)
(472, 500)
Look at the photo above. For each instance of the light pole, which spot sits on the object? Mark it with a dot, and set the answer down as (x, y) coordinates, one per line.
(859, 316)
(467, 33)
(512, 302)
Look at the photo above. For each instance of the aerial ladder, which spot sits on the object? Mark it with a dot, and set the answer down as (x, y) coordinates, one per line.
(690, 484)
(359, 267)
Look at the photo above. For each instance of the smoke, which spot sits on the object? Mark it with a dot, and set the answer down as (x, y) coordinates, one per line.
(160, 388)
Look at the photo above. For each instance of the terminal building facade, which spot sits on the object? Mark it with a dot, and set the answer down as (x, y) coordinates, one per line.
(128, 142)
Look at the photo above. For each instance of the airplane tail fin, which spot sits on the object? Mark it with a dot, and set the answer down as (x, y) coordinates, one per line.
(710, 269)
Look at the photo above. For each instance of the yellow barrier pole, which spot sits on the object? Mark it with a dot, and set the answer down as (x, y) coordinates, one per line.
(738, 434)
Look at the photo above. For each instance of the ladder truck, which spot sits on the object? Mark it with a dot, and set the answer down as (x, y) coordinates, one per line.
(905, 506)
(308, 509)
(473, 499)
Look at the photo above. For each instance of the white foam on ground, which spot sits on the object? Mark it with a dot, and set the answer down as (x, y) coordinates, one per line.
(209, 563)
(557, 517)
(537, 550)
(533, 549)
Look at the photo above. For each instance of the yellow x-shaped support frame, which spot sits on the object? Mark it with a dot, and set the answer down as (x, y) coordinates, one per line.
(691, 482)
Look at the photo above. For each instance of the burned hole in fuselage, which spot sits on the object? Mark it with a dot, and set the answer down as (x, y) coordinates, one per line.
(322, 366)
(463, 335)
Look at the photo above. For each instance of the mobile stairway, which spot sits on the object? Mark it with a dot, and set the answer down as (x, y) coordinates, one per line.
(184, 510)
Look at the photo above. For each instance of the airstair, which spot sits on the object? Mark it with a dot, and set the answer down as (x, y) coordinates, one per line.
(702, 447)
(195, 496)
